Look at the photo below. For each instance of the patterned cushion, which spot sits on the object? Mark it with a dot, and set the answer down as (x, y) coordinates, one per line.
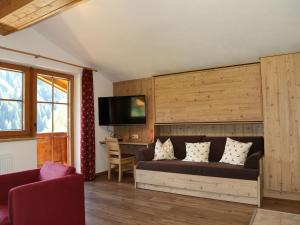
(164, 151)
(235, 152)
(197, 152)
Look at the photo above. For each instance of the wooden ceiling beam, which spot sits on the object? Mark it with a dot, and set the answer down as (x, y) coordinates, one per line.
(9, 6)
(19, 14)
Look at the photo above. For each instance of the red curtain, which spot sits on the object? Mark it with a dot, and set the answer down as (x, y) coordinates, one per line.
(87, 148)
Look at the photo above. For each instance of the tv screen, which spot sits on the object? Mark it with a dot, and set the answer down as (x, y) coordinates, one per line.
(122, 110)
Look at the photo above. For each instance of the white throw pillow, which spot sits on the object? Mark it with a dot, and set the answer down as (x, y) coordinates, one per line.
(235, 152)
(197, 152)
(164, 151)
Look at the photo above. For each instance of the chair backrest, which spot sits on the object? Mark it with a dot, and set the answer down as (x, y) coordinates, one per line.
(113, 147)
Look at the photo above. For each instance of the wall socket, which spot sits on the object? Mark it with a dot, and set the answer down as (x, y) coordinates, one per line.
(134, 136)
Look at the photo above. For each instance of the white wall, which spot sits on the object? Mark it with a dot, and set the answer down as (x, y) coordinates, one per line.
(32, 41)
(102, 87)
(23, 153)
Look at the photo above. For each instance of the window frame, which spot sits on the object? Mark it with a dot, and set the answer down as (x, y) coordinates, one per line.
(52, 102)
(27, 106)
(30, 104)
(35, 73)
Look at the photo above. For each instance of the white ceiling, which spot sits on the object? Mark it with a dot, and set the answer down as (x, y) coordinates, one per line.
(130, 39)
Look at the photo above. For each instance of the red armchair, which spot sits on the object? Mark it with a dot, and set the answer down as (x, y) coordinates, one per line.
(52, 195)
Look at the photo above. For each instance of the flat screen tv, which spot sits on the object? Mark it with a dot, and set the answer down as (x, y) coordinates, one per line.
(123, 110)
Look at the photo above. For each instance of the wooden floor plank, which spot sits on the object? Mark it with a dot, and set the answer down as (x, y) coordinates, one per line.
(270, 217)
(113, 203)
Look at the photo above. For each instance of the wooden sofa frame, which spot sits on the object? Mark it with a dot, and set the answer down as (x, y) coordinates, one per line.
(227, 189)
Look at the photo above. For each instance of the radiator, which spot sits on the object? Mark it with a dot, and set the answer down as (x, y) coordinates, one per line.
(6, 163)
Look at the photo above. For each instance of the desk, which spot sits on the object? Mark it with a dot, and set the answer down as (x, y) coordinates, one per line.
(130, 143)
(129, 147)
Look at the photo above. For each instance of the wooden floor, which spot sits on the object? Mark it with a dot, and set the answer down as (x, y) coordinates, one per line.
(111, 203)
(270, 217)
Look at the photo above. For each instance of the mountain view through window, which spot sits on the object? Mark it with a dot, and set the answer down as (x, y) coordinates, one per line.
(52, 105)
(11, 100)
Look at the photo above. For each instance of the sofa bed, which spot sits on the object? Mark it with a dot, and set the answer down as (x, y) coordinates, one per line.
(213, 179)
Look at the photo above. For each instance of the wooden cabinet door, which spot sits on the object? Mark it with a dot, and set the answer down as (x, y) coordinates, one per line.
(218, 95)
(281, 104)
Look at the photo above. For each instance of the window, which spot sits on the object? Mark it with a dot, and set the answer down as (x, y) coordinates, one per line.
(54, 116)
(14, 96)
(38, 103)
(52, 104)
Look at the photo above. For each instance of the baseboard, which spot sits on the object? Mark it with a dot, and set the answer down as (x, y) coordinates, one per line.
(105, 173)
(101, 173)
(282, 195)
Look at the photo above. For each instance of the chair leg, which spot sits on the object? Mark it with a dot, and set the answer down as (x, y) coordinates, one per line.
(120, 172)
(133, 165)
(109, 172)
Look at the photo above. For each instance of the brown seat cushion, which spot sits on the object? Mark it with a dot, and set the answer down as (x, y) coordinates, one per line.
(214, 169)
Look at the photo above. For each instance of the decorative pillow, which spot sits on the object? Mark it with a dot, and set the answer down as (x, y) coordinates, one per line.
(235, 152)
(197, 152)
(164, 151)
(52, 170)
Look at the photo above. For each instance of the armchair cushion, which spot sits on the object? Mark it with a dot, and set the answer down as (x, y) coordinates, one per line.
(51, 170)
(4, 219)
(11, 180)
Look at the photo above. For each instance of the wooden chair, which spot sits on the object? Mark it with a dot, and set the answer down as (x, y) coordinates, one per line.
(123, 162)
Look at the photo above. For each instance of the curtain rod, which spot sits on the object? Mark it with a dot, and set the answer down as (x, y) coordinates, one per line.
(47, 58)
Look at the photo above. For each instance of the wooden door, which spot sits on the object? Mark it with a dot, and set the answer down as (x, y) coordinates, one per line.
(54, 117)
(281, 104)
(52, 147)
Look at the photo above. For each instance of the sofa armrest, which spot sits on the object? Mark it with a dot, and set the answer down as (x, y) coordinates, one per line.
(252, 161)
(146, 154)
(57, 201)
(11, 180)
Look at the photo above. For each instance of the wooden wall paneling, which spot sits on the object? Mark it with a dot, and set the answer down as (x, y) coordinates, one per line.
(217, 95)
(233, 129)
(136, 87)
(281, 94)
